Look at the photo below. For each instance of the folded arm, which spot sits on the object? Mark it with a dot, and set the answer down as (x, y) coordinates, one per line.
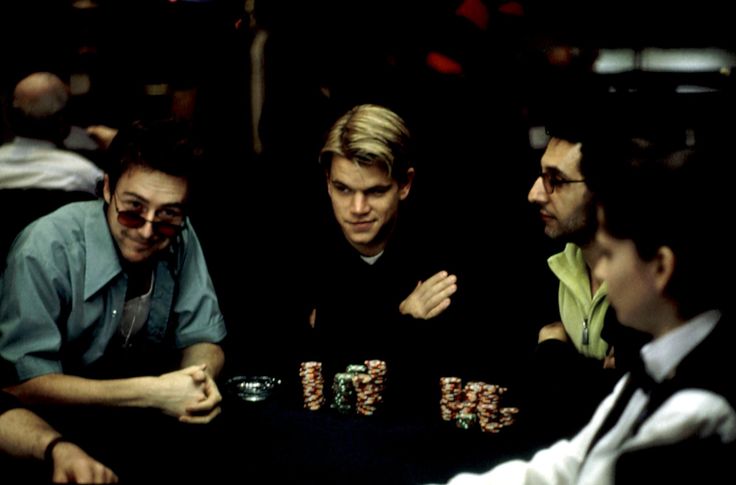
(171, 393)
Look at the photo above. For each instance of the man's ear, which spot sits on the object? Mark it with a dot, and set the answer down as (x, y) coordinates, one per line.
(106, 189)
(664, 267)
(405, 188)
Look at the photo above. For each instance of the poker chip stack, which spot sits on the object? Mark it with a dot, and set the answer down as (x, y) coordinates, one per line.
(451, 389)
(343, 392)
(312, 384)
(377, 370)
(467, 415)
(491, 416)
(472, 393)
(476, 402)
(366, 394)
(507, 416)
(488, 409)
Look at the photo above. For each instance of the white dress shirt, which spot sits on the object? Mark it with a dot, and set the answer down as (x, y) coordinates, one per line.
(27, 163)
(687, 413)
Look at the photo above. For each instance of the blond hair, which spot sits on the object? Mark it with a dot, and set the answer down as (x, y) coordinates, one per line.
(369, 134)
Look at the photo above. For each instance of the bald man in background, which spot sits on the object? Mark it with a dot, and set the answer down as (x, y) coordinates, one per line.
(38, 174)
(36, 157)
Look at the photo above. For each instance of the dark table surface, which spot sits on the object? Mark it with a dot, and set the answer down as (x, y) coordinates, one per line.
(278, 441)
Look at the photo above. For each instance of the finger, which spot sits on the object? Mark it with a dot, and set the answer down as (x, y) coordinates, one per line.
(436, 298)
(448, 290)
(444, 282)
(443, 305)
(191, 369)
(211, 388)
(104, 474)
(59, 476)
(200, 419)
(99, 473)
(214, 392)
(439, 276)
(82, 474)
(434, 285)
(208, 403)
(199, 377)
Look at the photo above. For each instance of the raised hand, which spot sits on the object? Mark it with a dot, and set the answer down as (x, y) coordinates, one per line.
(431, 297)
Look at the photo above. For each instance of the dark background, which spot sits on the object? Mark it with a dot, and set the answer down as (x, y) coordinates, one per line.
(260, 210)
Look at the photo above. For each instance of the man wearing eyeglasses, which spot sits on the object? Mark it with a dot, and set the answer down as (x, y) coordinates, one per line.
(109, 303)
(574, 357)
(567, 208)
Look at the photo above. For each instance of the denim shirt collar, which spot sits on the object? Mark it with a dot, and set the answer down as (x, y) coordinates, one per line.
(103, 262)
(102, 258)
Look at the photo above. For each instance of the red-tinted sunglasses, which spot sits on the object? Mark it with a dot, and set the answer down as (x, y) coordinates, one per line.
(135, 220)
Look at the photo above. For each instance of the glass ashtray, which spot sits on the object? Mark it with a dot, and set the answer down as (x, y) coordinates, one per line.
(252, 388)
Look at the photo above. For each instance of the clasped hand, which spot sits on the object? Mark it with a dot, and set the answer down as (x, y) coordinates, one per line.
(189, 394)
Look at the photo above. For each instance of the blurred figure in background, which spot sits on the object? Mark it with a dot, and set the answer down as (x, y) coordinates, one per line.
(37, 158)
(37, 174)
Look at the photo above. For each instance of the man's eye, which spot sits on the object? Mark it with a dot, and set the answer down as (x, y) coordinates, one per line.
(133, 205)
(170, 214)
(556, 181)
(342, 189)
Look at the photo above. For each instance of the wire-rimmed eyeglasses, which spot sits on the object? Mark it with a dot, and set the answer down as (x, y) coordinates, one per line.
(551, 181)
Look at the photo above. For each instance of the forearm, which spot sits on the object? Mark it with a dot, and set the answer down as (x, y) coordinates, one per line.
(204, 353)
(24, 434)
(61, 389)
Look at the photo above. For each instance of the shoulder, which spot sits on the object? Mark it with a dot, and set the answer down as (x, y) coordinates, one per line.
(700, 369)
(65, 225)
(188, 240)
(693, 460)
(694, 409)
(691, 435)
(81, 164)
(68, 216)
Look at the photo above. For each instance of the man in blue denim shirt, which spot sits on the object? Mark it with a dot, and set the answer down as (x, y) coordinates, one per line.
(97, 293)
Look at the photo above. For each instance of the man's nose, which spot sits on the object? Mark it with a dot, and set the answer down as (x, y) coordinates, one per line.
(146, 230)
(537, 194)
(359, 203)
